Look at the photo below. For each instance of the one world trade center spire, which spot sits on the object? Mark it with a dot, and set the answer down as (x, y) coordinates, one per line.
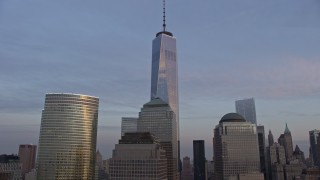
(164, 74)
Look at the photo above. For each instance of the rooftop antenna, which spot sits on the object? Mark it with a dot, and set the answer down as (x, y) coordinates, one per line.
(164, 15)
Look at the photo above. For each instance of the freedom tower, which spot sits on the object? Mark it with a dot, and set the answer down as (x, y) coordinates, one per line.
(164, 73)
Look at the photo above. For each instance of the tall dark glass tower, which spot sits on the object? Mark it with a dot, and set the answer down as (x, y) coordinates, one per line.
(199, 160)
(314, 136)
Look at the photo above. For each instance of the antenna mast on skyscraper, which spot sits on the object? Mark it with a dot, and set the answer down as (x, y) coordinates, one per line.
(164, 22)
(164, 15)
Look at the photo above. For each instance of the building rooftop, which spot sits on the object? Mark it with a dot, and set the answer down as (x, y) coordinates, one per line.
(157, 102)
(232, 117)
(4, 158)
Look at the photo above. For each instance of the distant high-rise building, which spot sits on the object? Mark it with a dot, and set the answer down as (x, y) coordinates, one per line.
(138, 156)
(262, 151)
(100, 173)
(10, 167)
(187, 173)
(128, 124)
(276, 159)
(276, 154)
(270, 138)
(158, 118)
(292, 171)
(299, 155)
(199, 160)
(314, 136)
(285, 140)
(236, 149)
(32, 175)
(318, 148)
(68, 136)
(247, 109)
(27, 155)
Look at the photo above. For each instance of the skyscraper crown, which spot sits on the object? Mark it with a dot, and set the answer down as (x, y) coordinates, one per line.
(287, 131)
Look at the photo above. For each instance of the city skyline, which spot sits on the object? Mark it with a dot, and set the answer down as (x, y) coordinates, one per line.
(103, 49)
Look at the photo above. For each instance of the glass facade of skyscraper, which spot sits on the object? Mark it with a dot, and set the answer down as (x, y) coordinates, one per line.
(164, 73)
(314, 136)
(128, 124)
(247, 109)
(68, 135)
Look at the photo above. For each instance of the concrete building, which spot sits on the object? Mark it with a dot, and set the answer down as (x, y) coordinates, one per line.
(68, 136)
(247, 109)
(277, 172)
(292, 171)
(285, 140)
(313, 137)
(262, 151)
(158, 118)
(249, 176)
(276, 154)
(311, 174)
(276, 159)
(199, 160)
(187, 170)
(27, 155)
(100, 173)
(128, 124)
(236, 149)
(32, 175)
(299, 156)
(210, 170)
(138, 156)
(270, 138)
(10, 167)
(318, 148)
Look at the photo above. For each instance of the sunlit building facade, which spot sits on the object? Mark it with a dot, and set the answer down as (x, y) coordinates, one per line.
(68, 135)
(157, 118)
(164, 72)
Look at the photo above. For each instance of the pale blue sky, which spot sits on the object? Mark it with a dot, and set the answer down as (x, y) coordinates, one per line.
(227, 50)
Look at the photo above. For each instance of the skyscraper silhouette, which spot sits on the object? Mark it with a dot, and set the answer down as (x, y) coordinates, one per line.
(68, 136)
(313, 137)
(199, 160)
(285, 140)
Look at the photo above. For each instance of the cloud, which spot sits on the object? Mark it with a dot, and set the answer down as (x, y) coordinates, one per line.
(290, 77)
